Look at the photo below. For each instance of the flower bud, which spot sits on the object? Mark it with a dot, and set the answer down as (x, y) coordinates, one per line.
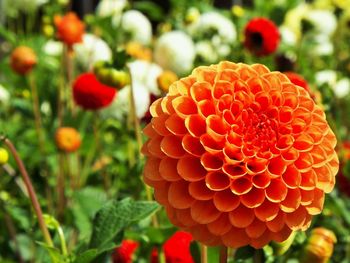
(4, 156)
(70, 28)
(166, 79)
(23, 59)
(192, 15)
(320, 246)
(67, 139)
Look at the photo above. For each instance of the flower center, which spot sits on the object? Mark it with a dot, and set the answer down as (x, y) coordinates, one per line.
(256, 40)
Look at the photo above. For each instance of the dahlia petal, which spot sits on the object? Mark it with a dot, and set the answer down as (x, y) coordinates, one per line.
(172, 146)
(263, 99)
(324, 176)
(216, 128)
(277, 98)
(227, 65)
(241, 185)
(261, 69)
(211, 162)
(195, 125)
(316, 206)
(199, 190)
(262, 240)
(144, 149)
(210, 145)
(254, 198)
(149, 131)
(220, 88)
(290, 88)
(224, 103)
(205, 74)
(257, 85)
(168, 170)
(226, 201)
(318, 156)
(220, 226)
(235, 238)
(235, 139)
(303, 114)
(285, 142)
(183, 85)
(158, 124)
(184, 106)
(304, 161)
(274, 80)
(241, 217)
(166, 104)
(267, 211)
(303, 143)
(217, 181)
(233, 154)
(290, 100)
(247, 72)
(291, 177)
(151, 170)
(256, 229)
(228, 75)
(296, 219)
(161, 193)
(307, 102)
(193, 146)
(228, 117)
(276, 167)
(156, 108)
(234, 170)
(203, 235)
(291, 155)
(206, 108)
(276, 224)
(261, 180)
(308, 180)
(276, 191)
(201, 91)
(190, 169)
(256, 166)
(292, 201)
(282, 235)
(204, 212)
(154, 147)
(285, 115)
(175, 125)
(306, 197)
(184, 215)
(243, 97)
(298, 125)
(178, 195)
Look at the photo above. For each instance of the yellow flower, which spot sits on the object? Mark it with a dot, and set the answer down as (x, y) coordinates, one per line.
(4, 156)
(237, 10)
(166, 79)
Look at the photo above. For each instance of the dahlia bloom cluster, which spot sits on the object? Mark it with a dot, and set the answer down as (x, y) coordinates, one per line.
(239, 155)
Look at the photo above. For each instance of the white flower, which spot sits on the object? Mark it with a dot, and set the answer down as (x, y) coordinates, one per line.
(144, 82)
(91, 50)
(328, 77)
(53, 48)
(288, 36)
(323, 21)
(175, 51)
(323, 45)
(137, 26)
(214, 22)
(342, 88)
(4, 95)
(205, 51)
(111, 7)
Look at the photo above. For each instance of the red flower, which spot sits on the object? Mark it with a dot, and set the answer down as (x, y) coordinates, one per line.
(261, 36)
(239, 155)
(23, 59)
(70, 28)
(90, 94)
(124, 253)
(176, 249)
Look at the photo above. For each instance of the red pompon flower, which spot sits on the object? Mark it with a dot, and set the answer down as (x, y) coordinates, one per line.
(176, 249)
(125, 252)
(261, 36)
(70, 28)
(239, 155)
(91, 94)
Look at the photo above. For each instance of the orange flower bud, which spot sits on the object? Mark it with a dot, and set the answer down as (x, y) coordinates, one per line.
(136, 50)
(23, 59)
(320, 246)
(166, 79)
(67, 139)
(70, 28)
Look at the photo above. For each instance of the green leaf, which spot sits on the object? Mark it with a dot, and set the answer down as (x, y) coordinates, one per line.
(114, 217)
(55, 254)
(87, 256)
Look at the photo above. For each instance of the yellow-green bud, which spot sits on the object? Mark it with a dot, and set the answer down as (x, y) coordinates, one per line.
(4, 156)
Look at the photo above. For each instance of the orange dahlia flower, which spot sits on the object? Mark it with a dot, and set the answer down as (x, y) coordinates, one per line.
(70, 28)
(67, 139)
(239, 155)
(23, 59)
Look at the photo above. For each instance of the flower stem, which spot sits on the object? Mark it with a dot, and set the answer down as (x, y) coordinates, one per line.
(204, 254)
(36, 111)
(223, 254)
(258, 256)
(31, 191)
